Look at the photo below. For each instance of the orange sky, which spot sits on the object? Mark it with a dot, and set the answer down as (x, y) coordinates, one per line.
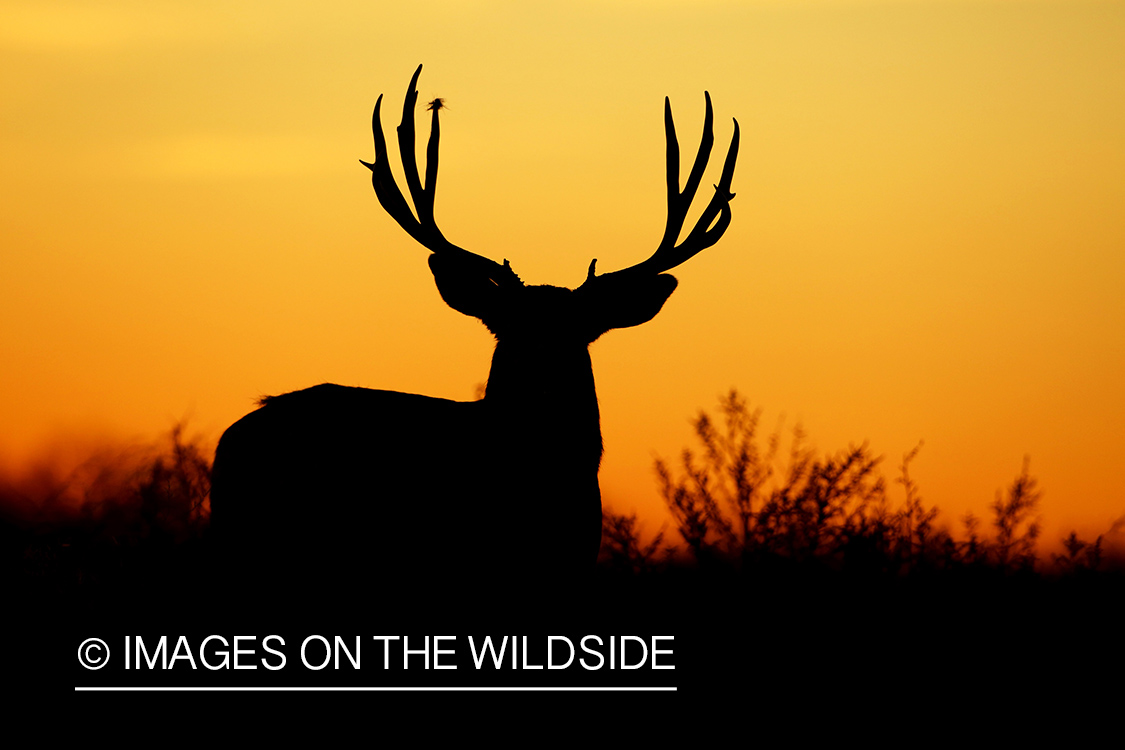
(928, 239)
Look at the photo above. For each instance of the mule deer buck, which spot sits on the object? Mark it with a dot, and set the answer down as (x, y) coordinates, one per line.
(345, 483)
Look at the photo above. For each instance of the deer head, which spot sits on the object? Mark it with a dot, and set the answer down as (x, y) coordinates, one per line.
(492, 292)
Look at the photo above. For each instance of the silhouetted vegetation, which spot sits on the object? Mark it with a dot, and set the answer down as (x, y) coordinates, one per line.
(120, 515)
(737, 510)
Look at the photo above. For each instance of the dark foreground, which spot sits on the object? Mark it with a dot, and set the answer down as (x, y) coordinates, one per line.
(787, 635)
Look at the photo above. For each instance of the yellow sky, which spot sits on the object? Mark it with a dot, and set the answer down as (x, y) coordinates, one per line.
(928, 240)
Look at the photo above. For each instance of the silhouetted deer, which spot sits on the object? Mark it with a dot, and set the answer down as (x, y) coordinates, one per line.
(352, 483)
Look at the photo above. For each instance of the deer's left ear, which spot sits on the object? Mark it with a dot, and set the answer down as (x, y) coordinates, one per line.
(464, 287)
(625, 302)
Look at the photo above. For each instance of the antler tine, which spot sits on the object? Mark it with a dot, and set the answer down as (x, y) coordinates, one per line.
(680, 202)
(703, 235)
(432, 161)
(386, 189)
(423, 203)
(669, 255)
(424, 229)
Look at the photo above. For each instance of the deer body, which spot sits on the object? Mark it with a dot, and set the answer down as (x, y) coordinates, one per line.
(348, 481)
(356, 484)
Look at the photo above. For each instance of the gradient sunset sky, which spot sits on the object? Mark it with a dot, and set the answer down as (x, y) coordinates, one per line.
(928, 239)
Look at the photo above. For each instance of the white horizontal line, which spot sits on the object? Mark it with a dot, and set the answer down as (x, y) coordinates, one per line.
(456, 689)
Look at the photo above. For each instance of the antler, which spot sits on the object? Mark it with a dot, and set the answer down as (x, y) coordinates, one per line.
(669, 255)
(423, 229)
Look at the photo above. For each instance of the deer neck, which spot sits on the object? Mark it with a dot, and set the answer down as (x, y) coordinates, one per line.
(546, 396)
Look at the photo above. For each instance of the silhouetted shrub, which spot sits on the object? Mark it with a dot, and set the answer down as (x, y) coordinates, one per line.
(120, 513)
(1080, 555)
(733, 506)
(728, 505)
(1016, 532)
(623, 552)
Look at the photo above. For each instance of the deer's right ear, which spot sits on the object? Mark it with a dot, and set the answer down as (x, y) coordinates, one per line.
(464, 287)
(616, 302)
